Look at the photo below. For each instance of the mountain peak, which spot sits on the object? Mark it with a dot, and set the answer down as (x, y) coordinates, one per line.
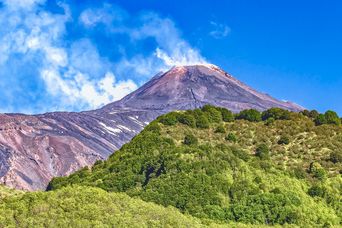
(192, 86)
(181, 68)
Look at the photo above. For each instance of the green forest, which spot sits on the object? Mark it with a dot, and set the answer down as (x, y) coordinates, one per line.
(202, 167)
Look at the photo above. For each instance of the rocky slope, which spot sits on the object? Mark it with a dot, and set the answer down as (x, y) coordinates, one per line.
(33, 149)
(188, 87)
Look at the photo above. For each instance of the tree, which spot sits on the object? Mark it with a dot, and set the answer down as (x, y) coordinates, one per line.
(332, 118)
(316, 190)
(329, 117)
(313, 114)
(220, 129)
(187, 119)
(213, 113)
(202, 121)
(250, 115)
(227, 116)
(262, 151)
(276, 113)
(284, 140)
(317, 171)
(231, 137)
(190, 139)
(335, 157)
(320, 120)
(169, 119)
(306, 112)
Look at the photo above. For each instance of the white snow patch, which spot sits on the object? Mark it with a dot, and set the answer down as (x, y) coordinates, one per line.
(111, 130)
(123, 127)
(135, 120)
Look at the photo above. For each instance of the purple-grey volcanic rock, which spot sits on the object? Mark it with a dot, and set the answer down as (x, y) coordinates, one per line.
(35, 148)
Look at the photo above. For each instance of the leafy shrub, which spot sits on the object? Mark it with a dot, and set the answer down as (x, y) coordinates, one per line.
(202, 121)
(284, 140)
(190, 139)
(317, 171)
(299, 173)
(262, 151)
(316, 190)
(240, 154)
(187, 119)
(220, 129)
(336, 156)
(231, 137)
(269, 121)
(320, 174)
(250, 115)
(169, 119)
(215, 212)
(153, 127)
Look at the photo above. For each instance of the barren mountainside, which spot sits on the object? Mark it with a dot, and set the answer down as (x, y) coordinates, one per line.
(35, 148)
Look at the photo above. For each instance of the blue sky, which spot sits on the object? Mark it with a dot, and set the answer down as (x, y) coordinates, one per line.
(64, 55)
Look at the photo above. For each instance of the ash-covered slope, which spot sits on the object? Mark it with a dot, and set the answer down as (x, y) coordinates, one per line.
(188, 87)
(33, 149)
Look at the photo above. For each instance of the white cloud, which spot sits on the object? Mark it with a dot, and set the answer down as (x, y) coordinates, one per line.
(21, 4)
(84, 92)
(172, 49)
(74, 75)
(107, 15)
(219, 30)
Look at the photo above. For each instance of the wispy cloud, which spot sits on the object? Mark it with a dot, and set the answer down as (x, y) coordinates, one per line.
(170, 49)
(44, 71)
(219, 31)
(108, 14)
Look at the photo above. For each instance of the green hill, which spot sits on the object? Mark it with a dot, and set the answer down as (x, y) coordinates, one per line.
(86, 207)
(274, 167)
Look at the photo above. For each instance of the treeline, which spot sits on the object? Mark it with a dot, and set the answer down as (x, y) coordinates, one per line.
(201, 118)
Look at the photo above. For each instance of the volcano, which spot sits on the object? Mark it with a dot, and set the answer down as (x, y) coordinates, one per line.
(35, 148)
(188, 87)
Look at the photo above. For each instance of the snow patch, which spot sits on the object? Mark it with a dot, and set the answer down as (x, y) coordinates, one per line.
(110, 130)
(123, 127)
(135, 120)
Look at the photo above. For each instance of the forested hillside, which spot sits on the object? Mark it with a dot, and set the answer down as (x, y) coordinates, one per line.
(275, 167)
(86, 207)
